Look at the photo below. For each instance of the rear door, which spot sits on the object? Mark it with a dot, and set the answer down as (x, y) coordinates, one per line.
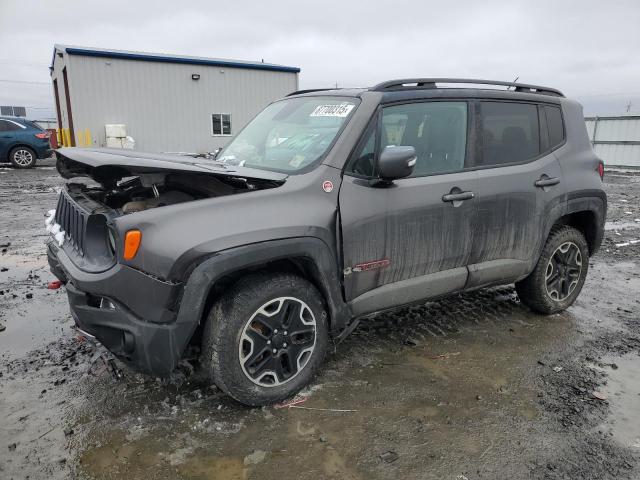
(519, 185)
(412, 239)
(7, 137)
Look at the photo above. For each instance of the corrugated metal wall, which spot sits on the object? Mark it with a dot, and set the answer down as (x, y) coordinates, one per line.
(163, 108)
(616, 140)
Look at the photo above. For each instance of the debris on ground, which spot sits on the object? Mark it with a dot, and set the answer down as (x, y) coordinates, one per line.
(56, 284)
(600, 395)
(389, 456)
(443, 355)
(255, 457)
(2, 327)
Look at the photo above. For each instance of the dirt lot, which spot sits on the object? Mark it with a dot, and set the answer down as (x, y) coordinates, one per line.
(471, 387)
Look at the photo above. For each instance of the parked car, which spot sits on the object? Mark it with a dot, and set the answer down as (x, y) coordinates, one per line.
(329, 207)
(22, 142)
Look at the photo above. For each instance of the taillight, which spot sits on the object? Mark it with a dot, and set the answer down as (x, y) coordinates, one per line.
(601, 169)
(43, 135)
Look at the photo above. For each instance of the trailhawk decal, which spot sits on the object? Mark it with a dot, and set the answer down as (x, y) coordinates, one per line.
(367, 266)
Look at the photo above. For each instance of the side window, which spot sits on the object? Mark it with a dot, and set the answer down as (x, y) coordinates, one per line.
(363, 160)
(554, 125)
(437, 130)
(8, 126)
(510, 132)
(221, 124)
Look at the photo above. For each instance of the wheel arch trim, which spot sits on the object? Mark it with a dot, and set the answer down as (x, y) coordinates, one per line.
(203, 278)
(591, 201)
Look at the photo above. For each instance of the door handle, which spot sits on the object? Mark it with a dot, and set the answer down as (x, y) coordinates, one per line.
(545, 181)
(457, 197)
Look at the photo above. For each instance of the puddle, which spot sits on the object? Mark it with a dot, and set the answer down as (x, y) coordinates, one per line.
(32, 314)
(623, 391)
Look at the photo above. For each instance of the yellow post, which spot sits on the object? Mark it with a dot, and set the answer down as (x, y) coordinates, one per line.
(67, 138)
(87, 138)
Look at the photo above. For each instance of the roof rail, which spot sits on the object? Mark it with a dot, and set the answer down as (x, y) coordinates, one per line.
(310, 90)
(431, 83)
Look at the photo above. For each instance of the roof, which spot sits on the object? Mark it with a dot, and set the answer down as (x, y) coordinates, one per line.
(167, 58)
(430, 85)
(13, 119)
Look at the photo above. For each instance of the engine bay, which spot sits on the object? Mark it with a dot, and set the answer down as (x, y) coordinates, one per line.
(153, 190)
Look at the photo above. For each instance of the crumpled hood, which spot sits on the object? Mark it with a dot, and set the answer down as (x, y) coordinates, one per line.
(108, 165)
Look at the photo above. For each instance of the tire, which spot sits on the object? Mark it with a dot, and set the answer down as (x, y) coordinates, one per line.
(235, 353)
(23, 157)
(560, 273)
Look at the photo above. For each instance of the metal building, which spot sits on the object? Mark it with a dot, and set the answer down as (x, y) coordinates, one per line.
(166, 103)
(616, 139)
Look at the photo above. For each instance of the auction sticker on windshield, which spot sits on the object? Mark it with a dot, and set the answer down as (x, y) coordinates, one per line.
(332, 110)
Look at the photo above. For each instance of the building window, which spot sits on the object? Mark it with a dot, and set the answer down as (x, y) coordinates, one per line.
(221, 124)
(13, 111)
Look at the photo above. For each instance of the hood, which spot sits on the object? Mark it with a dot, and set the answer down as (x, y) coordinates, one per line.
(108, 165)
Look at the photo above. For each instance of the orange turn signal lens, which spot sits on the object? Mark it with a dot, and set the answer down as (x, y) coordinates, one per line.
(131, 243)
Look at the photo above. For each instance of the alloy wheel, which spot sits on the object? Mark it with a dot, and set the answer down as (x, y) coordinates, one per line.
(277, 341)
(23, 157)
(563, 271)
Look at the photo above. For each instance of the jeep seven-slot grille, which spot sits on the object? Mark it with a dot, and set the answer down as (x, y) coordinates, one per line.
(72, 220)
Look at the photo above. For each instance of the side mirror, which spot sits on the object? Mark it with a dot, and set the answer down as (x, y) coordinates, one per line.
(396, 162)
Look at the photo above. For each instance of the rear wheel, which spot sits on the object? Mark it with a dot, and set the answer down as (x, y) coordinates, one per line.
(23, 157)
(265, 338)
(558, 278)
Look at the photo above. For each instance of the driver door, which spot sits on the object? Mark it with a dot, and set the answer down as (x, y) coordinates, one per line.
(409, 240)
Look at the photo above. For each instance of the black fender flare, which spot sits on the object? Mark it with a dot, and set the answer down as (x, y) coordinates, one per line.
(593, 201)
(215, 266)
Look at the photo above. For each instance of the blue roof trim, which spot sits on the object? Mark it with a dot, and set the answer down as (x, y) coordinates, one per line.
(188, 61)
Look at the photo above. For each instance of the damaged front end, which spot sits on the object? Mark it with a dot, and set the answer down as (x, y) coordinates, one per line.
(123, 183)
(129, 310)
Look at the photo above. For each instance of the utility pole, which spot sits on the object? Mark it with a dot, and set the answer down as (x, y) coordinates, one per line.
(629, 106)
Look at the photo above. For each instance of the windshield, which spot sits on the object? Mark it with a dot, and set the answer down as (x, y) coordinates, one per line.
(289, 135)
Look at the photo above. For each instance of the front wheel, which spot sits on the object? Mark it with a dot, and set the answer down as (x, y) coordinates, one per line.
(23, 157)
(265, 338)
(558, 278)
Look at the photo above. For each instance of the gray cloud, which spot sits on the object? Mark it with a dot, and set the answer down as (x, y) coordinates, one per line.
(589, 49)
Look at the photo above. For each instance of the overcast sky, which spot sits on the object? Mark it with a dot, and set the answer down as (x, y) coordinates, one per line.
(588, 49)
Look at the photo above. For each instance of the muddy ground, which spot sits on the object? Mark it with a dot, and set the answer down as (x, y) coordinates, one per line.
(471, 387)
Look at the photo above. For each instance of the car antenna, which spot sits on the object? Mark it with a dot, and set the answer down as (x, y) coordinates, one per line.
(514, 82)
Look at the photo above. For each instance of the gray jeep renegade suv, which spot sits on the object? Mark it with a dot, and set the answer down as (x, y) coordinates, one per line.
(330, 206)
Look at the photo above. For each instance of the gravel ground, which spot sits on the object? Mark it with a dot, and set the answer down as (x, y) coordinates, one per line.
(471, 387)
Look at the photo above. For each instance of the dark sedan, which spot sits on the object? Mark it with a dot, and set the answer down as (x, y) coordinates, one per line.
(22, 142)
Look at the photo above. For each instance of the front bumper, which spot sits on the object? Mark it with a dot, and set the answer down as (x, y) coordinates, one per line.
(132, 314)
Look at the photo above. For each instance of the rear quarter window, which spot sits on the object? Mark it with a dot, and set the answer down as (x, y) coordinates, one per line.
(554, 125)
(510, 133)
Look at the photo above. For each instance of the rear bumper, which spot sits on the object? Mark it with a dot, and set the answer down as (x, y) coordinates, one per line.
(129, 312)
(43, 151)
